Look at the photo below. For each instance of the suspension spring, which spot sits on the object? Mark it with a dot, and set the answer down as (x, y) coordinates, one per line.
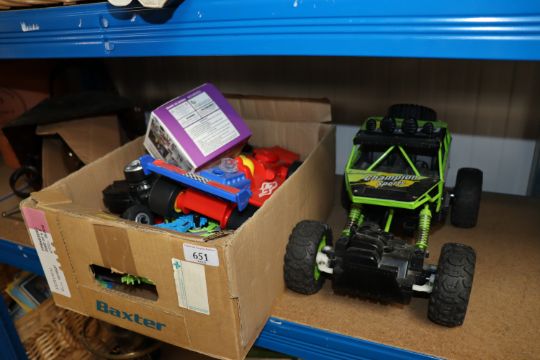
(355, 219)
(424, 224)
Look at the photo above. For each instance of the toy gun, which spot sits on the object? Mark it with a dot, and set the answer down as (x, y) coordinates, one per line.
(231, 186)
(221, 193)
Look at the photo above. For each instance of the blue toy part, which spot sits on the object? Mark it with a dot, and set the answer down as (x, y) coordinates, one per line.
(238, 196)
(183, 223)
(235, 179)
(105, 283)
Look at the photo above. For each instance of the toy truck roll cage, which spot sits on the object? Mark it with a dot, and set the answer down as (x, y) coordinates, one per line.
(398, 169)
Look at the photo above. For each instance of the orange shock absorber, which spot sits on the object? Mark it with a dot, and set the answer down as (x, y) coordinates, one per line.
(209, 206)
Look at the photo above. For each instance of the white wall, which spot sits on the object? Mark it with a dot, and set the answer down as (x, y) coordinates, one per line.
(506, 162)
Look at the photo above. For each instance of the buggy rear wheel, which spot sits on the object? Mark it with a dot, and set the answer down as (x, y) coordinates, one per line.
(466, 202)
(345, 199)
(408, 111)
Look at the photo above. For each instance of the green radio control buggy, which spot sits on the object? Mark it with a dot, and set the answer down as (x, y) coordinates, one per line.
(394, 189)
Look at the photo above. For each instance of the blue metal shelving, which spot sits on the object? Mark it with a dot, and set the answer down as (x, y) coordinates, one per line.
(310, 343)
(483, 29)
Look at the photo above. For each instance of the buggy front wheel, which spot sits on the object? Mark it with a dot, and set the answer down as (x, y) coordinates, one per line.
(302, 274)
(453, 283)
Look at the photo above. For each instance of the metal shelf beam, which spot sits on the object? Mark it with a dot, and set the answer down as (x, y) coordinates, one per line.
(485, 29)
(20, 256)
(311, 343)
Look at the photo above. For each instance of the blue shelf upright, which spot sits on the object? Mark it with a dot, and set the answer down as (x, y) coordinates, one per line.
(24, 258)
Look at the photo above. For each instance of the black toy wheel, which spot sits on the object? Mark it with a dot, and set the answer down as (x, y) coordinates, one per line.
(408, 111)
(452, 289)
(134, 173)
(301, 272)
(292, 169)
(29, 176)
(163, 196)
(237, 218)
(466, 202)
(139, 213)
(345, 199)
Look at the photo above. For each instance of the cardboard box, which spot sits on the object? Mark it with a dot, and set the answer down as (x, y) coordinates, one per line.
(89, 139)
(218, 308)
(195, 129)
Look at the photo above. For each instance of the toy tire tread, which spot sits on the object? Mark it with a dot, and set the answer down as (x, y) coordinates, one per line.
(467, 194)
(407, 111)
(345, 199)
(450, 297)
(136, 212)
(300, 256)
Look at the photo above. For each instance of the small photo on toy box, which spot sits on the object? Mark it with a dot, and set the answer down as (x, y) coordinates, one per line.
(195, 129)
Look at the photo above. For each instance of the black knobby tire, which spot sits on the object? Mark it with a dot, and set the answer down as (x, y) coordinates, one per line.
(139, 213)
(466, 201)
(408, 111)
(450, 297)
(345, 199)
(300, 256)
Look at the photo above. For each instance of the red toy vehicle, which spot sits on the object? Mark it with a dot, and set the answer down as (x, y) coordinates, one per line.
(267, 169)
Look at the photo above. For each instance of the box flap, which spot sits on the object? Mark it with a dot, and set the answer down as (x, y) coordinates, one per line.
(90, 138)
(281, 109)
(52, 168)
(48, 196)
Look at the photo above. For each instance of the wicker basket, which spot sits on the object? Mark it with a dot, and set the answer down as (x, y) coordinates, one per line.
(50, 333)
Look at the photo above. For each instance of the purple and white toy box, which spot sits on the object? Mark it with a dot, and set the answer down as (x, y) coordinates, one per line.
(195, 129)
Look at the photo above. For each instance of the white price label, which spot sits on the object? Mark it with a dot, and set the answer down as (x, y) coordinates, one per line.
(44, 244)
(201, 255)
(190, 281)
